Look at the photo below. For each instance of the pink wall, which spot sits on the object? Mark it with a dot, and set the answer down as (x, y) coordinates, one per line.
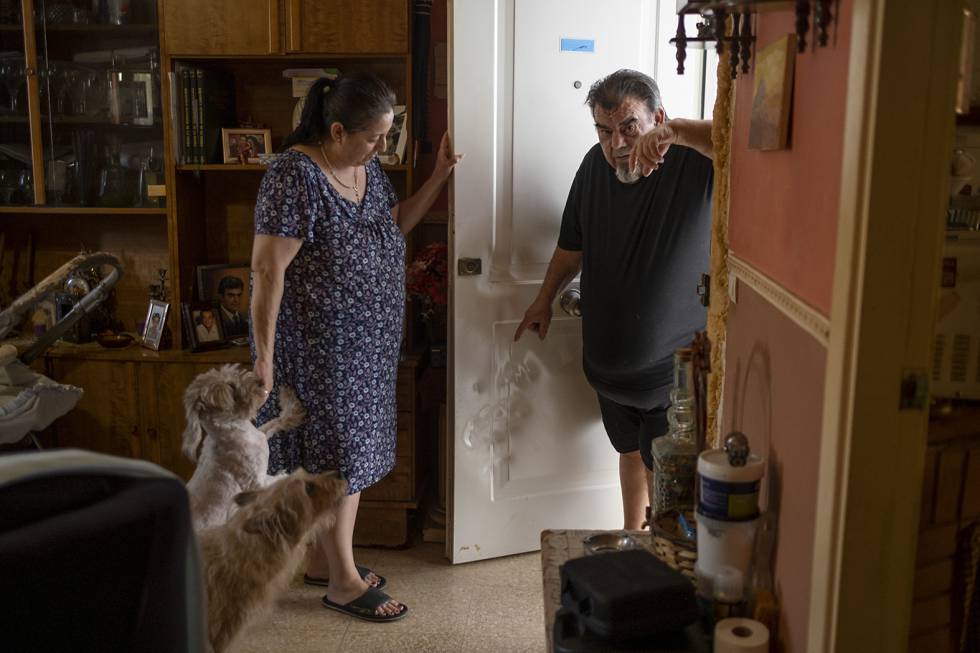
(774, 376)
(783, 221)
(784, 203)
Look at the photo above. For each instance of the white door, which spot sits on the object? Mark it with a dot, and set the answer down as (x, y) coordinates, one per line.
(529, 450)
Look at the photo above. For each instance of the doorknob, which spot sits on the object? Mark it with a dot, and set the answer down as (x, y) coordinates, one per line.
(570, 301)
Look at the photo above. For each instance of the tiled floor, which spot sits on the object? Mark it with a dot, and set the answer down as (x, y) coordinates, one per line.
(492, 606)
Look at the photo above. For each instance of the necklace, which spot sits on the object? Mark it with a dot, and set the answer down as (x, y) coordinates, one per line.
(357, 196)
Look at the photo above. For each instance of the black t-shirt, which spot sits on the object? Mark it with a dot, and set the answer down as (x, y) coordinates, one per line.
(644, 247)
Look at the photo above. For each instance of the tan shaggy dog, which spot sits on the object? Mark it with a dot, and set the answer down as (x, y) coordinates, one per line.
(249, 560)
(222, 402)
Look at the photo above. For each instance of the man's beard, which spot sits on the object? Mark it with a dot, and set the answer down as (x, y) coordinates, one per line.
(627, 176)
(623, 172)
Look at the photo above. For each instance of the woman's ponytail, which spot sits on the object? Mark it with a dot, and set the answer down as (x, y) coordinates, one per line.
(353, 100)
(312, 127)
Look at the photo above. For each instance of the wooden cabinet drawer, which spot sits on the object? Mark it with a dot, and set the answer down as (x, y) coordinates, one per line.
(221, 27)
(405, 391)
(398, 485)
(376, 26)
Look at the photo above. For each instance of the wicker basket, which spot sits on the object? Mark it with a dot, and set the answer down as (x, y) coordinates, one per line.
(671, 545)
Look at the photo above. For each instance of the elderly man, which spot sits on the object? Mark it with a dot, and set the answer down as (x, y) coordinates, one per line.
(233, 322)
(637, 224)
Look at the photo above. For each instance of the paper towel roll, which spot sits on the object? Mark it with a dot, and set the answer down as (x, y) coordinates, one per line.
(741, 636)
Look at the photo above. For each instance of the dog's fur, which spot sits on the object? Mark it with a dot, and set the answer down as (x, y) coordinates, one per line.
(235, 457)
(250, 559)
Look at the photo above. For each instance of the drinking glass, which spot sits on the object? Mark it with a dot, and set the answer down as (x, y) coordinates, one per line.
(80, 81)
(56, 180)
(8, 184)
(25, 187)
(12, 74)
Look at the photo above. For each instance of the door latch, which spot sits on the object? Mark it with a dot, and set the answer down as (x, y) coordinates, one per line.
(469, 267)
(914, 391)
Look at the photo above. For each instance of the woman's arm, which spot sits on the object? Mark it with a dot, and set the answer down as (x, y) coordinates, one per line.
(271, 255)
(408, 212)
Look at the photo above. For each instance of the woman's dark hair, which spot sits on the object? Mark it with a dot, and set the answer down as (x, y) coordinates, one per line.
(353, 100)
(609, 92)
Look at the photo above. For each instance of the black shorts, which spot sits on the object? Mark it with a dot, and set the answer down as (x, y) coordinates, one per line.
(630, 429)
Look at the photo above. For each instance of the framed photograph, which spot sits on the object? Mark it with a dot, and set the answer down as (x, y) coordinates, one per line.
(156, 318)
(394, 153)
(240, 145)
(228, 287)
(202, 326)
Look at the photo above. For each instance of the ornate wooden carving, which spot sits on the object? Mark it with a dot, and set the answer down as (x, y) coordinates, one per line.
(681, 41)
(736, 43)
(802, 24)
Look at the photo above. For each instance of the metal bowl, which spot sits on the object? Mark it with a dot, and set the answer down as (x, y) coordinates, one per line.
(608, 542)
(115, 340)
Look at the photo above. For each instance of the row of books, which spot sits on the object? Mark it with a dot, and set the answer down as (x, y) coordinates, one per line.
(206, 103)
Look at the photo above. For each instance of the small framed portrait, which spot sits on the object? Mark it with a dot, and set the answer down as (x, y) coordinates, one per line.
(241, 145)
(228, 287)
(202, 326)
(156, 318)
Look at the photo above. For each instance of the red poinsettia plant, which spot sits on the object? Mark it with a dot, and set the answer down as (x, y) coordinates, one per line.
(427, 278)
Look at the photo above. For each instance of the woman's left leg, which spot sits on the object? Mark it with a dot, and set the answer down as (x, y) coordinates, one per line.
(335, 548)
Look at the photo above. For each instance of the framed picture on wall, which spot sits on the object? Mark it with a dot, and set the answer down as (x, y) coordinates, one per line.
(240, 145)
(771, 95)
(227, 286)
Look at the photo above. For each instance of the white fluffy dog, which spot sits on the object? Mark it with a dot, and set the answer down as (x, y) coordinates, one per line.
(250, 559)
(235, 457)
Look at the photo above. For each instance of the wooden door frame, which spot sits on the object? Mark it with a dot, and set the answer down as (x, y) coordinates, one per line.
(897, 138)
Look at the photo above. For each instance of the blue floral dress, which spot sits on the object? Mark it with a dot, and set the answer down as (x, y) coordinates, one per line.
(340, 322)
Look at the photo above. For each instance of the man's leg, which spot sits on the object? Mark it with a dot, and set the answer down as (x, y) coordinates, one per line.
(633, 483)
(623, 426)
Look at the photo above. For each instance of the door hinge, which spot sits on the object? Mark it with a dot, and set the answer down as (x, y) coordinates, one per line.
(914, 391)
(469, 267)
(704, 289)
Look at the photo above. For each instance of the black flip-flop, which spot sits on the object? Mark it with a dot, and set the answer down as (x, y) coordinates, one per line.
(365, 606)
(362, 571)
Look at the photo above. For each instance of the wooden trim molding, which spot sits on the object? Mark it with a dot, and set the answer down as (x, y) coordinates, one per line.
(805, 316)
(872, 449)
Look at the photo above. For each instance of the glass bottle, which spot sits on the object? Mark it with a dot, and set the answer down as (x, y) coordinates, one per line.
(112, 180)
(675, 455)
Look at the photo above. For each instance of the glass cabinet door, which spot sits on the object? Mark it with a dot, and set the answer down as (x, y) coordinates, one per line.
(99, 91)
(16, 175)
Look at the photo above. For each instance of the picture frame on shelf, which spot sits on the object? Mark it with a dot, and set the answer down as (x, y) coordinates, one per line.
(144, 90)
(202, 326)
(241, 145)
(156, 319)
(228, 287)
(394, 153)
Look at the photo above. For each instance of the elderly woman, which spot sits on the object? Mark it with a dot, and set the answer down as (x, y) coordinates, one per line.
(327, 307)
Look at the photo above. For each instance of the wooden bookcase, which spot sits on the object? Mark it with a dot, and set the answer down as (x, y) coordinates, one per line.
(133, 402)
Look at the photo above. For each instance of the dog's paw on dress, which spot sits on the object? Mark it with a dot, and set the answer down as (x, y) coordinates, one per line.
(366, 606)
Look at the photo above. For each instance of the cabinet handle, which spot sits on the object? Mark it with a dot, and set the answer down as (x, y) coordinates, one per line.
(152, 433)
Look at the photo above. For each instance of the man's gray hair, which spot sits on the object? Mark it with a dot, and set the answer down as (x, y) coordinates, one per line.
(610, 91)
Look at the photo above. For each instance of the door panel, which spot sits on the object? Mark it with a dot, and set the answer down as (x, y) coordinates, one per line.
(529, 449)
